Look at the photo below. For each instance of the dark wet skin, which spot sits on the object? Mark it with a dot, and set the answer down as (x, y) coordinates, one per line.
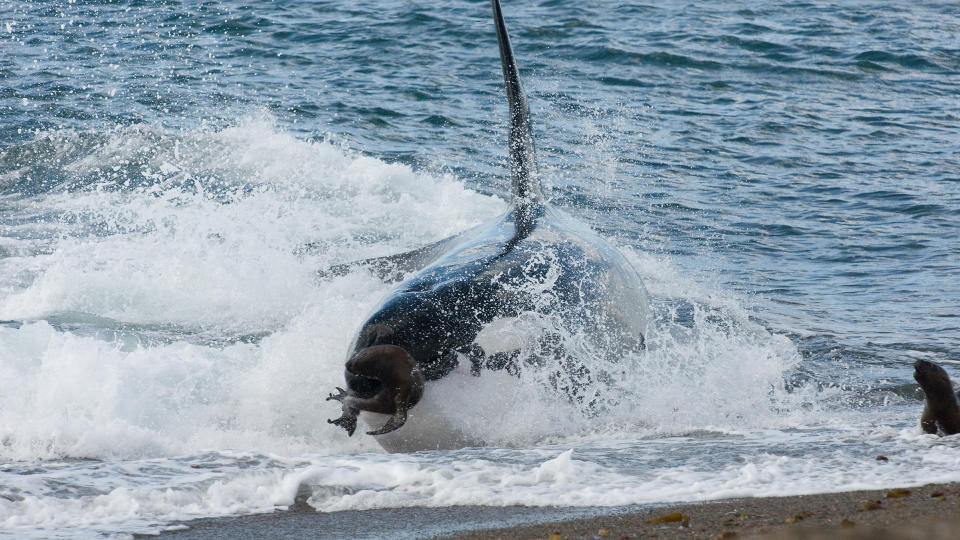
(941, 412)
(382, 379)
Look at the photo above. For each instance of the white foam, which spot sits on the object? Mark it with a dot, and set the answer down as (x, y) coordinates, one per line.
(214, 239)
(167, 322)
(211, 247)
(142, 496)
(144, 508)
(150, 280)
(565, 480)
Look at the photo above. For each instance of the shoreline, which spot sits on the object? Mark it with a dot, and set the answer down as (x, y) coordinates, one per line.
(931, 511)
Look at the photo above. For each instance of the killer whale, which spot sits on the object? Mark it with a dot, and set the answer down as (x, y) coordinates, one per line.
(532, 261)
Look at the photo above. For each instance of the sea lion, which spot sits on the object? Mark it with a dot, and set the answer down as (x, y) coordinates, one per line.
(383, 379)
(534, 266)
(941, 409)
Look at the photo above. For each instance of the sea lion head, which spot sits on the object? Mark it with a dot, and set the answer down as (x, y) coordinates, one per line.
(932, 378)
(384, 379)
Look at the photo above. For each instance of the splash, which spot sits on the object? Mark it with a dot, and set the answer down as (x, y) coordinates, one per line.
(173, 305)
(161, 308)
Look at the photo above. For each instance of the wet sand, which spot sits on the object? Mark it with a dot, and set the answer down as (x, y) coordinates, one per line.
(927, 512)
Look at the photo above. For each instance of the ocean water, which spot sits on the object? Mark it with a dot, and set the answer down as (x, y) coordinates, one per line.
(785, 178)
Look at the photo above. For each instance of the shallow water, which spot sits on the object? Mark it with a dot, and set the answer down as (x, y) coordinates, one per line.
(172, 177)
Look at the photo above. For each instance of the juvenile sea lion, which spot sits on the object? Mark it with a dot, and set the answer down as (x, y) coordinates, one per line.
(383, 379)
(533, 261)
(942, 408)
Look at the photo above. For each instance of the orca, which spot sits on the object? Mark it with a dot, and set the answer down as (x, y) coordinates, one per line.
(534, 265)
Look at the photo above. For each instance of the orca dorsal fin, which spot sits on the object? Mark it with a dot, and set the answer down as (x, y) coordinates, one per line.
(525, 183)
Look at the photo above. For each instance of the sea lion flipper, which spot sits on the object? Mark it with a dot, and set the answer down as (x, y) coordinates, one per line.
(348, 419)
(395, 422)
(341, 393)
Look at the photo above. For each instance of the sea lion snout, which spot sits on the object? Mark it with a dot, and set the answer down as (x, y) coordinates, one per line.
(931, 377)
(923, 365)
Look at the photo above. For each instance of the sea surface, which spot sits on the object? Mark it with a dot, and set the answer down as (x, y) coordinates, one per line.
(173, 175)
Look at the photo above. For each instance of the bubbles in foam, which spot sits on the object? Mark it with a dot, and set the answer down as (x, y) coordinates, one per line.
(181, 291)
(708, 363)
(173, 308)
(214, 228)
